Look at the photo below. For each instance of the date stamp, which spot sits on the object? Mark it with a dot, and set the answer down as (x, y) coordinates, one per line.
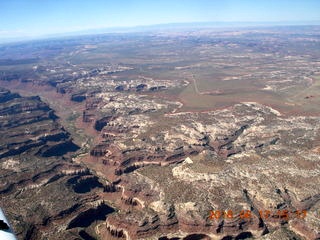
(282, 214)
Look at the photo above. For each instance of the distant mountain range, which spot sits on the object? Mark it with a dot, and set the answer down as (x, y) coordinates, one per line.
(159, 27)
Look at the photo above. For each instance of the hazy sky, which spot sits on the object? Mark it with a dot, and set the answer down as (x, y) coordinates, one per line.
(41, 17)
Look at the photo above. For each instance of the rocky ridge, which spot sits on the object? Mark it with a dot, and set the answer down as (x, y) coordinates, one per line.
(243, 158)
(43, 193)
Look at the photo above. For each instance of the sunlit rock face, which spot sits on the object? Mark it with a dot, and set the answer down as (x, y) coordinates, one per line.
(259, 177)
(200, 134)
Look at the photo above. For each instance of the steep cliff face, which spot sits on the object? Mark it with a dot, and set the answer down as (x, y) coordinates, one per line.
(6, 95)
(245, 158)
(184, 136)
(41, 190)
(29, 125)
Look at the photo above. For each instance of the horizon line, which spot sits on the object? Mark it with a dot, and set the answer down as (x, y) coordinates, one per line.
(153, 27)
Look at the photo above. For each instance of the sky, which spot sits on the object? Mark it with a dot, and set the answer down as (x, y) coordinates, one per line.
(19, 18)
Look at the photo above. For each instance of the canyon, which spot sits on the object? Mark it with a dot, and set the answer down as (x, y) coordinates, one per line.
(143, 136)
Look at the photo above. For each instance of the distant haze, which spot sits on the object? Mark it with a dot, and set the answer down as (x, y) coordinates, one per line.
(37, 18)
